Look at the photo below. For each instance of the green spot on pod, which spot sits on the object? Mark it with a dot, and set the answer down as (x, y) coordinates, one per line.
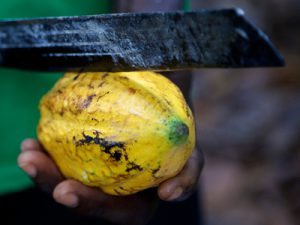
(178, 132)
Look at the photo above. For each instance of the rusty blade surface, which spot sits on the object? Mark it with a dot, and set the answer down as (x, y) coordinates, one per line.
(144, 41)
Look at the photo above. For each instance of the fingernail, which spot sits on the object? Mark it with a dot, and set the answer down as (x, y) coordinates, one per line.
(29, 169)
(176, 194)
(25, 145)
(70, 200)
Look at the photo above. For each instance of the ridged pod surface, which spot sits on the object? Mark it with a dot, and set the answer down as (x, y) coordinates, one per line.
(122, 132)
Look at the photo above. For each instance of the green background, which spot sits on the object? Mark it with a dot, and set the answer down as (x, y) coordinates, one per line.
(21, 91)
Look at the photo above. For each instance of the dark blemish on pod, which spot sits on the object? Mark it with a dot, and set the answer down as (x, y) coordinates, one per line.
(104, 75)
(88, 139)
(107, 146)
(168, 102)
(124, 78)
(101, 96)
(62, 112)
(94, 119)
(96, 132)
(187, 111)
(154, 171)
(58, 141)
(117, 155)
(133, 166)
(77, 75)
(131, 90)
(101, 84)
(125, 156)
(117, 192)
(88, 101)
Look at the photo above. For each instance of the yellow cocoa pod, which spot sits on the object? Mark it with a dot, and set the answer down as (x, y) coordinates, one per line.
(122, 132)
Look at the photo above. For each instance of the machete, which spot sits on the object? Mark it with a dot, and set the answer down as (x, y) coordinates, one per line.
(136, 41)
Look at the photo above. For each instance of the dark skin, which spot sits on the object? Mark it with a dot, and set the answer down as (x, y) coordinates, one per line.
(135, 209)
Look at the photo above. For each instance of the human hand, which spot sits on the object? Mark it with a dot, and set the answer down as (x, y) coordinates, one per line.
(134, 209)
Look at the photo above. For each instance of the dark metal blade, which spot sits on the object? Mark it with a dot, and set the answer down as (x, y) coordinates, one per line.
(144, 41)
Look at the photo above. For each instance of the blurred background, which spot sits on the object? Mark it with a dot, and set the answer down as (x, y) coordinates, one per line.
(249, 126)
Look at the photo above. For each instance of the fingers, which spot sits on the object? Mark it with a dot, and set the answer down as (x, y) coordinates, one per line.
(70, 193)
(38, 165)
(134, 209)
(182, 185)
(30, 144)
(92, 201)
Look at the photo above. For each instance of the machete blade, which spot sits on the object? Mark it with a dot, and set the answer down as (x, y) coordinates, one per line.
(143, 41)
